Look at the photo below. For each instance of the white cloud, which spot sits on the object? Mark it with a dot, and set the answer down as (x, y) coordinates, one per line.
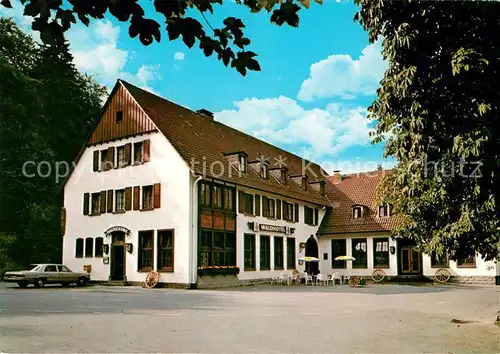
(179, 56)
(95, 50)
(340, 75)
(317, 133)
(145, 74)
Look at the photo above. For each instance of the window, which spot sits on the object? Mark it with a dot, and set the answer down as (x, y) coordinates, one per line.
(467, 262)
(223, 249)
(265, 253)
(205, 194)
(217, 197)
(63, 268)
(290, 253)
(283, 176)
(120, 200)
(229, 199)
(138, 152)
(249, 252)
(287, 211)
(79, 248)
(99, 241)
(243, 163)
(89, 247)
(96, 205)
(439, 261)
(359, 252)
(338, 249)
(165, 249)
(381, 252)
(383, 211)
(308, 215)
(145, 251)
(147, 197)
(357, 212)
(50, 268)
(120, 156)
(119, 116)
(264, 170)
(270, 207)
(249, 203)
(304, 183)
(217, 248)
(278, 252)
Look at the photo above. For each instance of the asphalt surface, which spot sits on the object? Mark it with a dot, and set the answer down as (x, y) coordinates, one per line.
(264, 319)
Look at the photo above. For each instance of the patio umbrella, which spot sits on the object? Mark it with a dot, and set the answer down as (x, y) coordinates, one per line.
(309, 259)
(345, 258)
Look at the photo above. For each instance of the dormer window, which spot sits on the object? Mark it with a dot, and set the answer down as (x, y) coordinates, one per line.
(384, 211)
(304, 183)
(242, 166)
(119, 117)
(283, 175)
(357, 212)
(264, 170)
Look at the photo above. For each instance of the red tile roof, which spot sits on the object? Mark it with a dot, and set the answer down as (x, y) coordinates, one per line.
(355, 189)
(196, 136)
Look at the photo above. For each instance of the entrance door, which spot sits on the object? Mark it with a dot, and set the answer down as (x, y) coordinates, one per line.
(117, 262)
(410, 261)
(312, 251)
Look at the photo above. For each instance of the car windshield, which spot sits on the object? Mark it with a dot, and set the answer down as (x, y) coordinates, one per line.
(35, 268)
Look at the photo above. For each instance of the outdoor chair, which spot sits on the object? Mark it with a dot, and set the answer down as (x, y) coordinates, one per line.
(321, 278)
(334, 277)
(308, 278)
(295, 277)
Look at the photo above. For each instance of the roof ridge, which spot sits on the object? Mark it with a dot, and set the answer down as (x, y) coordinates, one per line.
(225, 125)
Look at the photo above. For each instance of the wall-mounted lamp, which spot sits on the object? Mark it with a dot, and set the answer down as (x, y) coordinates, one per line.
(105, 249)
(130, 247)
(392, 249)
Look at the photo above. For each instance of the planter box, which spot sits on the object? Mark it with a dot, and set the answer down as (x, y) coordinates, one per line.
(218, 271)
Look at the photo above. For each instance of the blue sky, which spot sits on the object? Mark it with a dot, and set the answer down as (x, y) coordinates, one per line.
(310, 97)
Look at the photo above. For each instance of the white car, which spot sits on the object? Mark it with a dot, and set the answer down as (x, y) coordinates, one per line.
(42, 274)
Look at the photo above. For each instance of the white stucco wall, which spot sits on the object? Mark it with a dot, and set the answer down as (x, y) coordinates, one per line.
(326, 247)
(301, 234)
(482, 269)
(165, 167)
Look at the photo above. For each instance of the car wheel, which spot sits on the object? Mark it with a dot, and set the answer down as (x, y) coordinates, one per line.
(82, 281)
(40, 283)
(22, 284)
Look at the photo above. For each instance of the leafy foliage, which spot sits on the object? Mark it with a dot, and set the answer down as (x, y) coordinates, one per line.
(52, 20)
(46, 110)
(438, 104)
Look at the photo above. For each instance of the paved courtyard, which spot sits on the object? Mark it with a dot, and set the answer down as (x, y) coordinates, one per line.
(263, 319)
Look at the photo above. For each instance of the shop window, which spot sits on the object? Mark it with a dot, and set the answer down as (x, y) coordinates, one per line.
(338, 249)
(381, 252)
(249, 252)
(359, 252)
(145, 252)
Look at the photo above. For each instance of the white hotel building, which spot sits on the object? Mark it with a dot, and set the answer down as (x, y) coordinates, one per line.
(160, 187)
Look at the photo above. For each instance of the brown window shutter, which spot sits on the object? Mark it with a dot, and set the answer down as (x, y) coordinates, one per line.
(128, 154)
(147, 150)
(102, 202)
(296, 212)
(316, 216)
(110, 201)
(95, 167)
(265, 207)
(278, 209)
(257, 205)
(86, 203)
(137, 196)
(241, 201)
(128, 198)
(157, 195)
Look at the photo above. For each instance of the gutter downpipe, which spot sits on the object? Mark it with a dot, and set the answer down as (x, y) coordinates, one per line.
(194, 233)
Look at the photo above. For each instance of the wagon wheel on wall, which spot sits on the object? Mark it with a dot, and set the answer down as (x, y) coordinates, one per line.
(378, 275)
(152, 279)
(442, 275)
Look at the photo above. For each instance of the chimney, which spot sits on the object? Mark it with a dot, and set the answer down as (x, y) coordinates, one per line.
(206, 113)
(337, 177)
